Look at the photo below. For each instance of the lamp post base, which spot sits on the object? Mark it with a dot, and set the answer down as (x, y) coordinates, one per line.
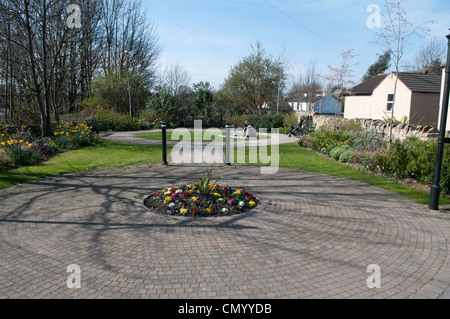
(434, 197)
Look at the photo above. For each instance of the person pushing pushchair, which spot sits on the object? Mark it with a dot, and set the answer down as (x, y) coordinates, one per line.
(297, 130)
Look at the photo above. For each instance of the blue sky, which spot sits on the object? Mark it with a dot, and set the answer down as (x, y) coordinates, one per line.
(208, 37)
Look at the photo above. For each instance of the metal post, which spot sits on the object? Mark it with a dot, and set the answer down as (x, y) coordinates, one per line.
(128, 53)
(436, 188)
(228, 142)
(164, 143)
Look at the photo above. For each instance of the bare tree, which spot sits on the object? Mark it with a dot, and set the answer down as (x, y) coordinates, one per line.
(174, 77)
(395, 37)
(131, 38)
(48, 67)
(434, 50)
(342, 76)
(306, 84)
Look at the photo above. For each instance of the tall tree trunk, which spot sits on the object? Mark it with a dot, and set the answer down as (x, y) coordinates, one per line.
(37, 86)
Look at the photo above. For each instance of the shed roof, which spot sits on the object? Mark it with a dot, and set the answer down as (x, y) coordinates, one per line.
(422, 82)
(419, 81)
(367, 87)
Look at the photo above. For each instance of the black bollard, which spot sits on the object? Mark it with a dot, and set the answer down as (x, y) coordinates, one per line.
(164, 142)
(228, 142)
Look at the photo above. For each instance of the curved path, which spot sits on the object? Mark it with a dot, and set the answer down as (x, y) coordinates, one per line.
(130, 137)
(313, 236)
(194, 148)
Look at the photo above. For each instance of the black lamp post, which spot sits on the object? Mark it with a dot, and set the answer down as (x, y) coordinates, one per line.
(436, 188)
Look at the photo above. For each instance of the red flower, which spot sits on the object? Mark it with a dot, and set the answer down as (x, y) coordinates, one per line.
(186, 194)
(195, 212)
(245, 192)
(251, 197)
(184, 204)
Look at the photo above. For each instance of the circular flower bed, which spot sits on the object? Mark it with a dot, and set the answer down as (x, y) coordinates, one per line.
(191, 201)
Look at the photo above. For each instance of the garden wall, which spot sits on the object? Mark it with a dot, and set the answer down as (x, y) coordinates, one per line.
(400, 131)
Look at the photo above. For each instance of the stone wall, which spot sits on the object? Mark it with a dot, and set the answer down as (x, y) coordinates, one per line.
(399, 131)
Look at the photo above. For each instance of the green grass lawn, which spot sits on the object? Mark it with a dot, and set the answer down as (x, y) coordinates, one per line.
(209, 137)
(103, 154)
(113, 154)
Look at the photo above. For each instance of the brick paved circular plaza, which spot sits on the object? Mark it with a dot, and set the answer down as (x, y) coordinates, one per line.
(312, 236)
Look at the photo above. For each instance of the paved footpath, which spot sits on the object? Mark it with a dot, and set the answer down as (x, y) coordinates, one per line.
(313, 236)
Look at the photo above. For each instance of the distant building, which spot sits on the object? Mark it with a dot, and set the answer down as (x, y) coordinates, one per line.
(328, 105)
(299, 106)
(418, 95)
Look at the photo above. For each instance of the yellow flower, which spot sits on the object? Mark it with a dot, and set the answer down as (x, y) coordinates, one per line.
(217, 194)
(167, 193)
(237, 192)
(252, 203)
(183, 211)
(208, 210)
(194, 199)
(168, 199)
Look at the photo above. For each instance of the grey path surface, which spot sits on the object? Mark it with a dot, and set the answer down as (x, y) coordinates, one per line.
(313, 236)
(130, 137)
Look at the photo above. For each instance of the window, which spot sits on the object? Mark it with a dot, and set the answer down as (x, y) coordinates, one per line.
(390, 102)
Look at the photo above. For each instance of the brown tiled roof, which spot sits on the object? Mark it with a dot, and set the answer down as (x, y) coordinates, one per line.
(421, 82)
(367, 87)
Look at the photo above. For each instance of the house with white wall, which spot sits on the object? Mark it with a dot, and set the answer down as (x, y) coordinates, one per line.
(299, 106)
(417, 98)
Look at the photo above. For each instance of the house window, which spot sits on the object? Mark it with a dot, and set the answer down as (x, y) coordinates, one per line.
(390, 102)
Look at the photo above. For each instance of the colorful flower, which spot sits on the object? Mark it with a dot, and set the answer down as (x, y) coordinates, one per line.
(252, 203)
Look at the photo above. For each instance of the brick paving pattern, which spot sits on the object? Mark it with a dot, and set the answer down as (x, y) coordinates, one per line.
(313, 236)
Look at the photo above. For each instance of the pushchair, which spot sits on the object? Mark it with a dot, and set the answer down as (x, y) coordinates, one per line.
(296, 130)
